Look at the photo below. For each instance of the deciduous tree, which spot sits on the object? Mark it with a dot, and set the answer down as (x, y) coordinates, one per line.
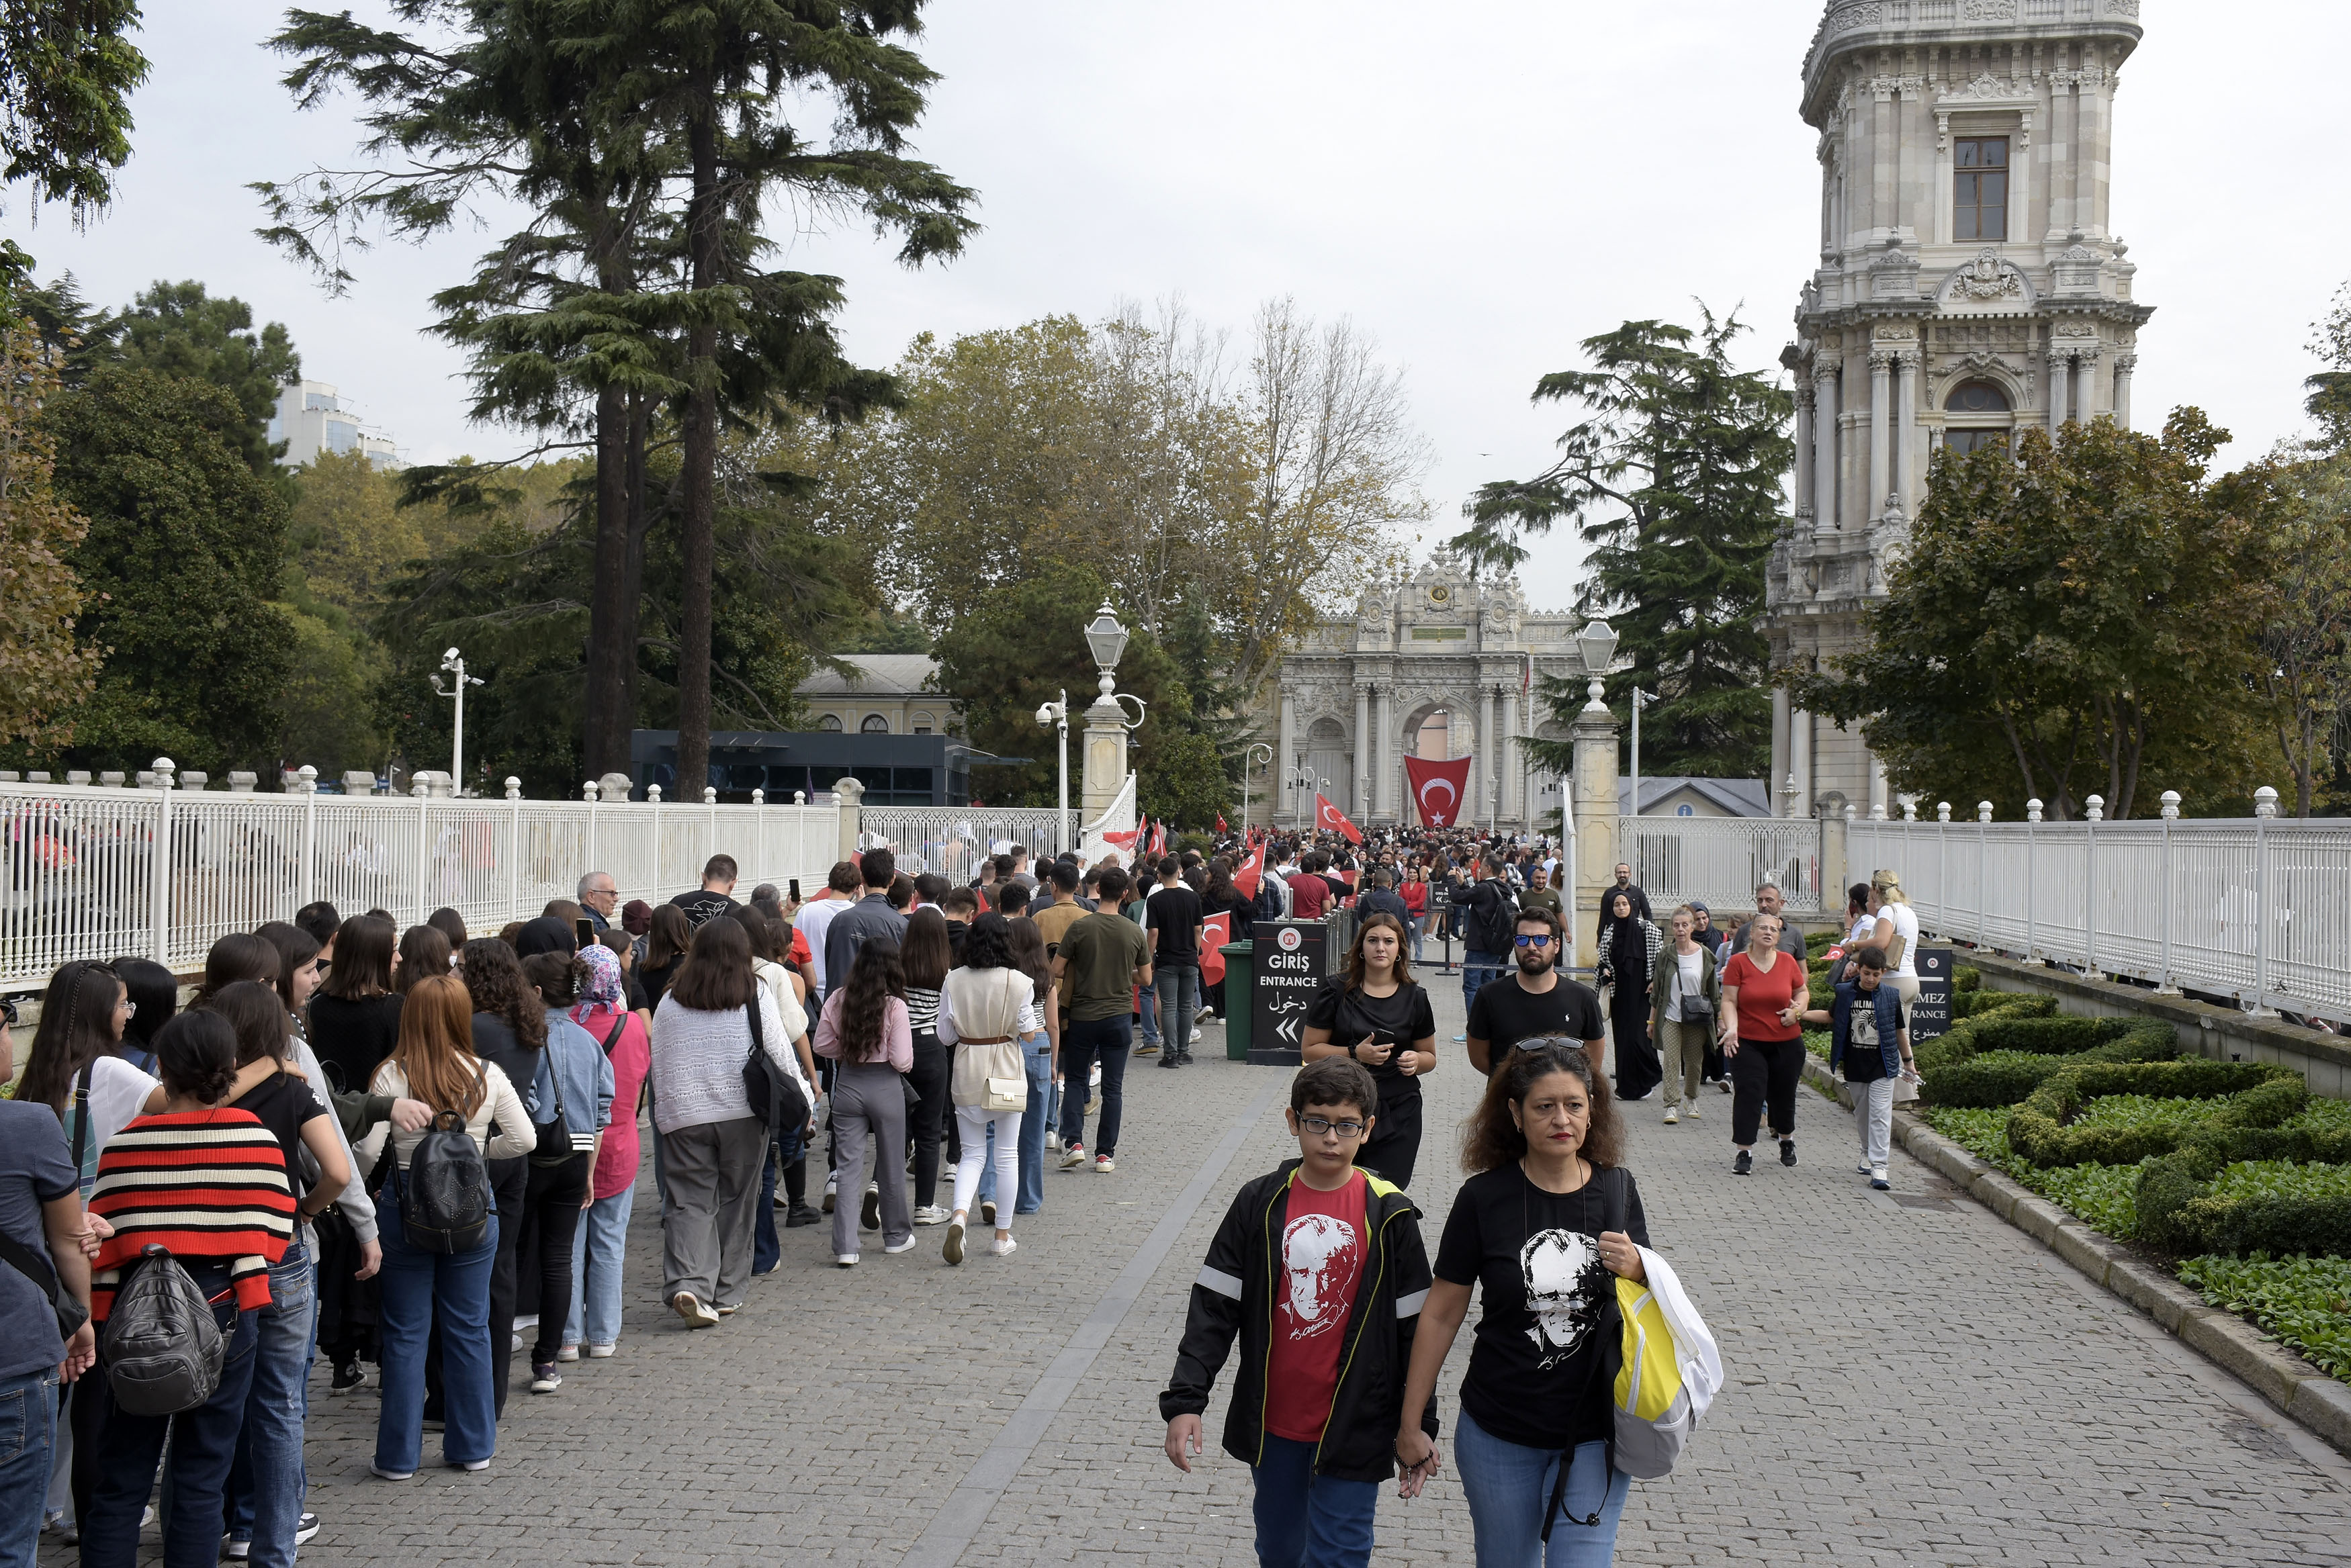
(66, 71)
(44, 667)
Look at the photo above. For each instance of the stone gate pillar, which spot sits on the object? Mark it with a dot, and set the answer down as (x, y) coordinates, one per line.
(1595, 861)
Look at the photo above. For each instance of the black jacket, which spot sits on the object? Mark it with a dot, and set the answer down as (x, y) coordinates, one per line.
(1236, 1294)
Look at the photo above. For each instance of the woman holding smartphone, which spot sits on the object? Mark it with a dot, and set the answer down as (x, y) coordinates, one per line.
(1379, 1017)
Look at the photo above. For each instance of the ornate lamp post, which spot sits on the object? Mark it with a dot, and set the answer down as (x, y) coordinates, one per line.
(1107, 727)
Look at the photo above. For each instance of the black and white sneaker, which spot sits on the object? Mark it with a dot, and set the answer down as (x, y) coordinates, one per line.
(350, 1379)
(1788, 1151)
(305, 1528)
(870, 1214)
(1744, 1165)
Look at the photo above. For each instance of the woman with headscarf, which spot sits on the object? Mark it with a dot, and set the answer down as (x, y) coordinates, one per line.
(602, 1239)
(1629, 944)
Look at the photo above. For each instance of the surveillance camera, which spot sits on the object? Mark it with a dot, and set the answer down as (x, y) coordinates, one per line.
(1045, 715)
(449, 657)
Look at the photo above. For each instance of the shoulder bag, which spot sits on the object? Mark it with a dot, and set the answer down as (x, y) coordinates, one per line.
(775, 1099)
(557, 1140)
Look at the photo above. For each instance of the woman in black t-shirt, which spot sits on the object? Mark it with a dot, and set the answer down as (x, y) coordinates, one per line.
(1378, 1017)
(355, 1015)
(1542, 1230)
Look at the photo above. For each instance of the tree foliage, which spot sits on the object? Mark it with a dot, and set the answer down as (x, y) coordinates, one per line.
(1673, 478)
(183, 556)
(2305, 639)
(44, 667)
(66, 71)
(2072, 618)
(180, 330)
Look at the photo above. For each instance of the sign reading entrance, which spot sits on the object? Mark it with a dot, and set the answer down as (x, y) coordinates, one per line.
(1930, 1016)
(1292, 958)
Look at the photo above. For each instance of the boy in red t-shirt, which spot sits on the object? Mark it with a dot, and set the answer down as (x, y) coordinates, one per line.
(1307, 1411)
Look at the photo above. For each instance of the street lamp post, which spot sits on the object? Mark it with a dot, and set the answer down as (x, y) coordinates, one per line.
(1049, 715)
(1107, 724)
(1246, 758)
(454, 665)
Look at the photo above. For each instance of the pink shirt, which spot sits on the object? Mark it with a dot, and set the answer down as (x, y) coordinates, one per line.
(897, 1033)
(616, 1162)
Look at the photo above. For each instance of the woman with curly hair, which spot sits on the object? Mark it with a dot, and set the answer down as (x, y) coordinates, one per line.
(1547, 1220)
(866, 1028)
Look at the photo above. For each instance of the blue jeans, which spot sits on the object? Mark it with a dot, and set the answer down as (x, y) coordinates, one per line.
(1083, 1045)
(29, 1436)
(1037, 1061)
(1180, 1003)
(203, 1446)
(1148, 1008)
(1306, 1521)
(418, 1288)
(597, 1249)
(1508, 1484)
(266, 1484)
(1476, 970)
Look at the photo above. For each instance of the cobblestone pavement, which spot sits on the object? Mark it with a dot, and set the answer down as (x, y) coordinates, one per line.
(1911, 1382)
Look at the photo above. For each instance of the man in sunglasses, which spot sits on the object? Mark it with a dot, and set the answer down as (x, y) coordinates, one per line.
(1535, 1001)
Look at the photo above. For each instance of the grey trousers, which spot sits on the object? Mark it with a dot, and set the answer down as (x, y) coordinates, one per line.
(1681, 1046)
(709, 1206)
(1873, 1115)
(867, 1098)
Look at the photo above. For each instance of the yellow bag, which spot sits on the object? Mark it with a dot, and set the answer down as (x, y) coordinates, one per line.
(1655, 1409)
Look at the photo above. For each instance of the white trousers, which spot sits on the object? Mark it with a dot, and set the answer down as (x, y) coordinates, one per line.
(971, 1127)
(1873, 1115)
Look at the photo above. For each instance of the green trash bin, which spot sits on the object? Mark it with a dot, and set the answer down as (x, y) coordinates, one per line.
(1240, 978)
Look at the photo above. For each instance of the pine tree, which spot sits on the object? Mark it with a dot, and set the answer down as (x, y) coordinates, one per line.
(1674, 479)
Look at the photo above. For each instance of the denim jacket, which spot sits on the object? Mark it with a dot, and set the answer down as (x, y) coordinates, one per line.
(1889, 1003)
(586, 1077)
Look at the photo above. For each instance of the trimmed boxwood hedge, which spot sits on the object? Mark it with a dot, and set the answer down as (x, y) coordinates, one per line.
(1999, 1059)
(2259, 1095)
(2177, 1210)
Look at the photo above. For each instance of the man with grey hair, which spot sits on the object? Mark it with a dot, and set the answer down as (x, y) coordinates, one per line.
(1769, 900)
(599, 895)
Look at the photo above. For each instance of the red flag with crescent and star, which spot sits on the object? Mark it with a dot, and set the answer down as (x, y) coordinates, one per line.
(1158, 841)
(1214, 932)
(1437, 788)
(1220, 822)
(1332, 819)
(1251, 872)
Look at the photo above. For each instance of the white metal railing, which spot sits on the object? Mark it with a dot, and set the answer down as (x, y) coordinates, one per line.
(1721, 861)
(951, 839)
(2257, 908)
(100, 873)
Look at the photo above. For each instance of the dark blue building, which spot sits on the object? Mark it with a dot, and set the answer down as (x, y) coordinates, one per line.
(896, 770)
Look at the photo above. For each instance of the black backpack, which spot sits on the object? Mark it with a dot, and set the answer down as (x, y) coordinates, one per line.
(445, 1200)
(162, 1345)
(1493, 918)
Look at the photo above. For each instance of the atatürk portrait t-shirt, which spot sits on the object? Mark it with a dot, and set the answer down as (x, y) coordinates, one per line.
(1543, 1297)
(1322, 1258)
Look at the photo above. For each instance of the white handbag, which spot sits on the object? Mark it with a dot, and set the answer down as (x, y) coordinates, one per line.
(990, 1075)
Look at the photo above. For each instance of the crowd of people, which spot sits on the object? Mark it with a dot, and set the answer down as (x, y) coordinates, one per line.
(417, 1152)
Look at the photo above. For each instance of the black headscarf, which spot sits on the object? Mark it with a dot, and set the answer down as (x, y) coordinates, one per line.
(546, 934)
(1628, 951)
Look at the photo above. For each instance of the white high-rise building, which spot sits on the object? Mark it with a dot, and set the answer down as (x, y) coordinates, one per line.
(1968, 286)
(312, 417)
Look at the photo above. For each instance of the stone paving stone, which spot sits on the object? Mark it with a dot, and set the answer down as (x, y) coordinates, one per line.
(1906, 1386)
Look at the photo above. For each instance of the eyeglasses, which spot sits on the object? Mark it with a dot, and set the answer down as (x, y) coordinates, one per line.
(1534, 941)
(1319, 1126)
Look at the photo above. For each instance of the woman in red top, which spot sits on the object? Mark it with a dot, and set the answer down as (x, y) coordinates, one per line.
(1764, 992)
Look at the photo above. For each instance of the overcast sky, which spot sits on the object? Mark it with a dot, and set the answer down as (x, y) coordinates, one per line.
(1479, 189)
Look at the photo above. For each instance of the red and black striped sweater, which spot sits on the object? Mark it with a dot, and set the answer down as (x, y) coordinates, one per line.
(203, 1185)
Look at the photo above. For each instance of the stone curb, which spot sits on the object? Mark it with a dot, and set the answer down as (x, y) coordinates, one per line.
(2319, 1402)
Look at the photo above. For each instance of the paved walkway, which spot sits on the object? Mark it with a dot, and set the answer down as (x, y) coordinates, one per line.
(1911, 1381)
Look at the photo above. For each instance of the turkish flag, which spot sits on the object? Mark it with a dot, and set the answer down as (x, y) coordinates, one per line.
(1214, 932)
(1251, 872)
(1220, 822)
(1331, 818)
(1438, 789)
(1158, 840)
(1123, 840)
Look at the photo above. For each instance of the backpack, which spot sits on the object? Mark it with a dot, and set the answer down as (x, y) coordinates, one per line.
(162, 1346)
(1493, 918)
(445, 1200)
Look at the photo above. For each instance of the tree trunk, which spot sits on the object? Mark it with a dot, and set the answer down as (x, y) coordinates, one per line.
(611, 642)
(640, 424)
(696, 527)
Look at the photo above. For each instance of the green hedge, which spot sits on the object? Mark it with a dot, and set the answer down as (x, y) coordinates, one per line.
(1966, 978)
(1984, 1003)
(2259, 1096)
(1960, 1040)
(2180, 1213)
(1999, 1059)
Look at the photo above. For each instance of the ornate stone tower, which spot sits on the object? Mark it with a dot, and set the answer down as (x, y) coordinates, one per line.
(1969, 286)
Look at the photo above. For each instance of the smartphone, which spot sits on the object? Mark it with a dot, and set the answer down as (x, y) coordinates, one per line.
(585, 928)
(795, 889)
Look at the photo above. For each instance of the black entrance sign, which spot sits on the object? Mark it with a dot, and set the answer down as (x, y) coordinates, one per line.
(1290, 958)
(1930, 1015)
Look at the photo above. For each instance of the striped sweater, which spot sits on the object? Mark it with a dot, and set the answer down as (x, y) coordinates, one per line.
(202, 1185)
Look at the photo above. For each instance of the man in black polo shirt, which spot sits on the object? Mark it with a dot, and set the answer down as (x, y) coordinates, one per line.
(1534, 1001)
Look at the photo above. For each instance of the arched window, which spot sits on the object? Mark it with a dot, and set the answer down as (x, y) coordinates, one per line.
(875, 724)
(829, 723)
(1978, 417)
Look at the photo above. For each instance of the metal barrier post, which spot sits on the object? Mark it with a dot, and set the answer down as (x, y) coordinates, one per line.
(2032, 817)
(1983, 873)
(158, 864)
(652, 795)
(309, 787)
(2264, 807)
(514, 848)
(423, 791)
(2097, 813)
(2163, 986)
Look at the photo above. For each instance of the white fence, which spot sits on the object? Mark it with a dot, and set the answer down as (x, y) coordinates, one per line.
(2257, 909)
(1721, 861)
(951, 839)
(99, 873)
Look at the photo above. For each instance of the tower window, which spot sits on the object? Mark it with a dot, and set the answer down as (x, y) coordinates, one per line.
(1974, 405)
(1980, 188)
(1977, 398)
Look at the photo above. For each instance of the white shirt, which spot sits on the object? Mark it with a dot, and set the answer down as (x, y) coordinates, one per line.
(118, 1092)
(811, 922)
(1905, 922)
(499, 1104)
(1687, 964)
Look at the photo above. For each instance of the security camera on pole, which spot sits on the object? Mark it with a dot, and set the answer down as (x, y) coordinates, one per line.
(1051, 715)
(1109, 786)
(454, 665)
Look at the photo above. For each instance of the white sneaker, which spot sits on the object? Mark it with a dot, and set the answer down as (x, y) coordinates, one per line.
(1690, 1110)
(953, 1251)
(694, 1309)
(599, 1352)
(1073, 1156)
(1673, 1115)
(931, 1214)
(988, 1211)
(567, 1353)
(1104, 1164)
(905, 1246)
(518, 1344)
(530, 1322)
(378, 1471)
(845, 1260)
(831, 1191)
(1196, 1035)
(1003, 1247)
(1052, 1142)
